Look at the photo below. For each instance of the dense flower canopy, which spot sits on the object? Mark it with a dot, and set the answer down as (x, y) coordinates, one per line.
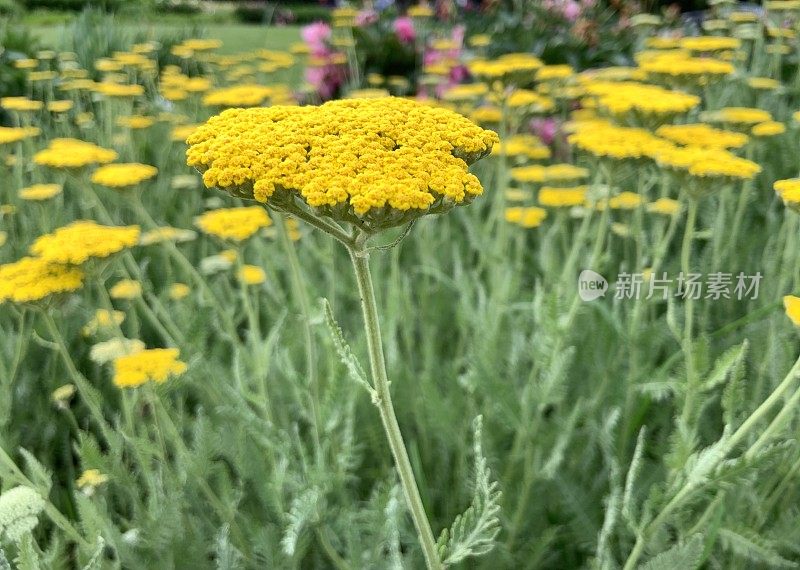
(361, 160)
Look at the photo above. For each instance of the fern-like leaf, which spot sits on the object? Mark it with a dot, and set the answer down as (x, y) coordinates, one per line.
(343, 351)
(227, 556)
(96, 561)
(4, 563)
(302, 513)
(726, 366)
(684, 556)
(753, 547)
(474, 531)
(27, 557)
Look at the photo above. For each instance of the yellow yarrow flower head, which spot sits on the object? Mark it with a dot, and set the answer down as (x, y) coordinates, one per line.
(707, 44)
(664, 207)
(102, 319)
(167, 233)
(80, 241)
(522, 147)
(152, 365)
(701, 134)
(60, 106)
(789, 192)
(706, 168)
(33, 279)
(680, 68)
(135, 122)
(252, 275)
(536, 173)
(487, 115)
(511, 68)
(73, 153)
(604, 140)
(768, 129)
(552, 197)
(792, 306)
(375, 163)
(123, 175)
(40, 192)
(622, 98)
(178, 291)
(126, 289)
(90, 480)
(526, 217)
(554, 72)
(118, 90)
(763, 83)
(246, 95)
(234, 224)
(622, 201)
(739, 116)
(20, 104)
(421, 11)
(15, 134)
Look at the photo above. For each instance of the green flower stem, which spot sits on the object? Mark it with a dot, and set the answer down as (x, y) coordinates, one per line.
(741, 208)
(85, 389)
(383, 400)
(690, 486)
(178, 257)
(301, 290)
(167, 428)
(686, 251)
(173, 336)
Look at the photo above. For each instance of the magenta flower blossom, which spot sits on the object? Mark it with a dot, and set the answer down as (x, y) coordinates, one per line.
(545, 129)
(316, 36)
(404, 29)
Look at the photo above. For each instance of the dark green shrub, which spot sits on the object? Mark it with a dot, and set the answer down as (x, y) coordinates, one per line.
(306, 14)
(74, 5)
(9, 8)
(179, 7)
(16, 42)
(254, 12)
(260, 12)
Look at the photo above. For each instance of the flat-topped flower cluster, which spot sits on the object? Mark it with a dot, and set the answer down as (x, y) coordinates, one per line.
(357, 159)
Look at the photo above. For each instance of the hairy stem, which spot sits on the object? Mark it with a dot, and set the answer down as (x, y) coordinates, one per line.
(383, 401)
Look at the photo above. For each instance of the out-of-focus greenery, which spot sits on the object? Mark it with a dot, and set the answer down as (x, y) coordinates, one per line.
(597, 37)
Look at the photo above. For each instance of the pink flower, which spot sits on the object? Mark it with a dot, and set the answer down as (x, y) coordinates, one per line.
(572, 10)
(325, 79)
(404, 29)
(459, 74)
(545, 129)
(366, 18)
(316, 35)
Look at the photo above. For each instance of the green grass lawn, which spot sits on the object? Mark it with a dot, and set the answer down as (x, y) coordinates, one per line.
(235, 37)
